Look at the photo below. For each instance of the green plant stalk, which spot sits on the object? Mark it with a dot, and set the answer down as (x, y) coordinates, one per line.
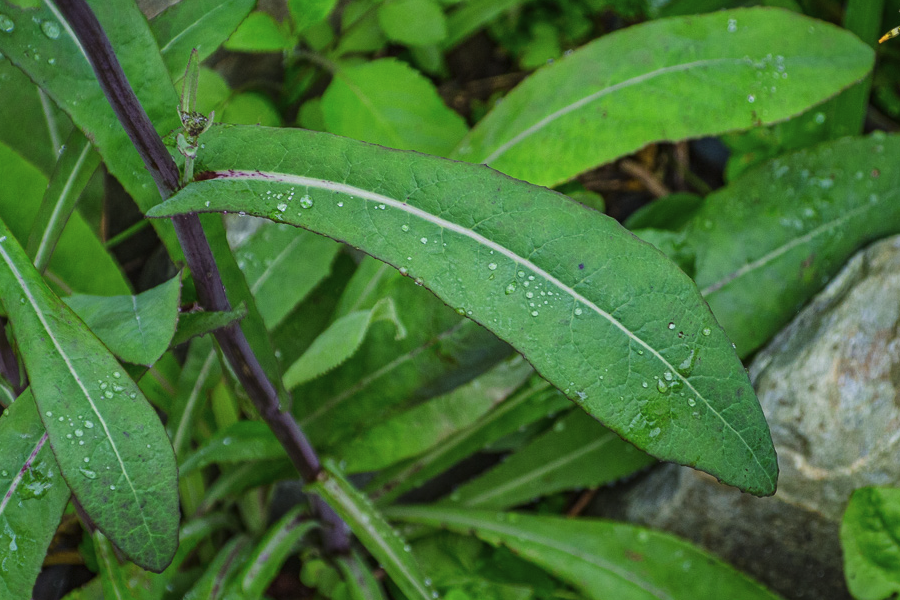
(210, 290)
(862, 17)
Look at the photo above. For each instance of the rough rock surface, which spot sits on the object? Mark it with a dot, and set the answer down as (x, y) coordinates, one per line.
(829, 385)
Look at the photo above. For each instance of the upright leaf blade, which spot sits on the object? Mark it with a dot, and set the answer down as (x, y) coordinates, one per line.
(108, 441)
(373, 531)
(605, 317)
(728, 70)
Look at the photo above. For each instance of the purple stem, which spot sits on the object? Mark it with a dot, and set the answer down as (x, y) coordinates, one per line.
(199, 257)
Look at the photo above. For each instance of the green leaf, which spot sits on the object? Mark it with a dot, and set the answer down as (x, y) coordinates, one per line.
(306, 13)
(200, 24)
(601, 559)
(604, 317)
(80, 262)
(69, 80)
(113, 577)
(267, 558)
(440, 352)
(137, 329)
(577, 452)
(276, 254)
(670, 213)
(770, 240)
(665, 80)
(29, 122)
(259, 32)
(429, 424)
(870, 532)
(33, 496)
(471, 16)
(242, 441)
(537, 401)
(223, 567)
(388, 102)
(338, 343)
(250, 108)
(74, 169)
(108, 440)
(191, 325)
(382, 542)
(360, 580)
(413, 22)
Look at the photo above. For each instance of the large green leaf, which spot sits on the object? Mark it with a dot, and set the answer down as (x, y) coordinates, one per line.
(603, 316)
(669, 79)
(602, 559)
(870, 538)
(32, 497)
(108, 441)
(770, 240)
(43, 45)
(576, 452)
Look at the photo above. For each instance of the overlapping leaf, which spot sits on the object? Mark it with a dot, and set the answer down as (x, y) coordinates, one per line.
(770, 240)
(108, 441)
(870, 532)
(606, 318)
(32, 496)
(668, 79)
(601, 559)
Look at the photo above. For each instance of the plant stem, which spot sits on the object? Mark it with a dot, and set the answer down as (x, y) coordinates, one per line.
(198, 254)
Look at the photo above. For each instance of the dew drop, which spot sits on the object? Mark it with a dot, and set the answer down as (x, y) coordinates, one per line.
(492, 266)
(88, 473)
(306, 201)
(732, 25)
(6, 24)
(661, 387)
(578, 312)
(706, 331)
(404, 271)
(529, 295)
(424, 240)
(692, 402)
(521, 273)
(404, 228)
(534, 313)
(48, 413)
(281, 207)
(654, 432)
(4, 473)
(78, 433)
(89, 424)
(117, 375)
(112, 487)
(511, 288)
(671, 325)
(50, 29)
(108, 394)
(87, 459)
(645, 385)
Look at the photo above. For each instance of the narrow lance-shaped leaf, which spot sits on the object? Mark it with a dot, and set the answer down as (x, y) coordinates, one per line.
(107, 439)
(769, 241)
(603, 316)
(668, 79)
(601, 559)
(32, 497)
(576, 452)
(379, 538)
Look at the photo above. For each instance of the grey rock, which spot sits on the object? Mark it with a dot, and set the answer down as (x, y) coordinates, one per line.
(829, 384)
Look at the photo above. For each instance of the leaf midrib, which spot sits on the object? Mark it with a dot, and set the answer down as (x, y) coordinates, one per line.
(73, 372)
(597, 95)
(343, 188)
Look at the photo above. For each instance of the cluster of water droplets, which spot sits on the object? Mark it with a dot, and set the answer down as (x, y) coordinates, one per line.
(50, 28)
